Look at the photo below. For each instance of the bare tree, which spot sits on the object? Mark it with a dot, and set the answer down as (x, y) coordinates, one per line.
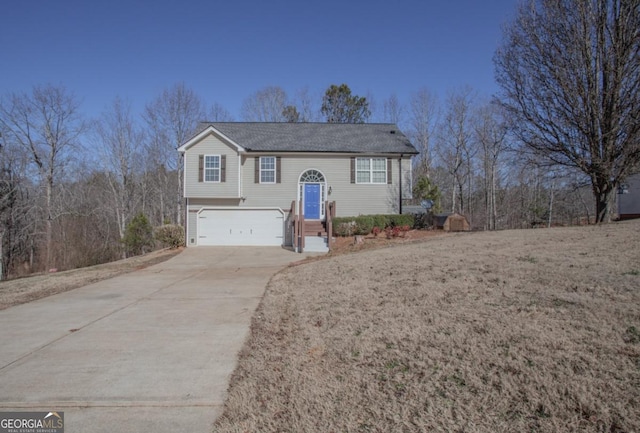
(171, 118)
(217, 113)
(47, 124)
(120, 143)
(570, 77)
(393, 111)
(304, 103)
(423, 118)
(456, 147)
(15, 206)
(266, 105)
(490, 133)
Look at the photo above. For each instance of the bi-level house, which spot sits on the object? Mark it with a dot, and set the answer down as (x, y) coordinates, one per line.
(243, 182)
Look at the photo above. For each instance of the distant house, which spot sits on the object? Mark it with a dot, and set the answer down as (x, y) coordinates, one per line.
(241, 179)
(629, 198)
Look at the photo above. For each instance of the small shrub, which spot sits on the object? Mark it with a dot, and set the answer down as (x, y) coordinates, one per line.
(388, 232)
(423, 220)
(343, 226)
(376, 231)
(170, 235)
(349, 226)
(138, 236)
(380, 221)
(365, 224)
(400, 220)
(392, 232)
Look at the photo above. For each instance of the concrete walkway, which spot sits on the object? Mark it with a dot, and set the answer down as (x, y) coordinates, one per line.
(149, 351)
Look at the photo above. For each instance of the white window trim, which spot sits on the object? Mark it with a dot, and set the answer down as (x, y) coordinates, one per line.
(371, 170)
(275, 170)
(219, 169)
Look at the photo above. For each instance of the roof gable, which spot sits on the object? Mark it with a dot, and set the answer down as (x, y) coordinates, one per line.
(365, 138)
(206, 131)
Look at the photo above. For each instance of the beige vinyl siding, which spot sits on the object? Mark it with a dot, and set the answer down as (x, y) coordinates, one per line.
(211, 145)
(352, 199)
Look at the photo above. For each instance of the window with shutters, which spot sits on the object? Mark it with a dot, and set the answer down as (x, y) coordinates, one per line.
(267, 169)
(371, 170)
(212, 168)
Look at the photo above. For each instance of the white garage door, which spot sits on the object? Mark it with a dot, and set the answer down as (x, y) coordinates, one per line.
(255, 227)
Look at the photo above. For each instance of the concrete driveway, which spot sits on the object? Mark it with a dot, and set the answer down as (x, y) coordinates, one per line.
(149, 351)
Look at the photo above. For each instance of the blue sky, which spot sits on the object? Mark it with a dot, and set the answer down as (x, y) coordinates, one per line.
(225, 51)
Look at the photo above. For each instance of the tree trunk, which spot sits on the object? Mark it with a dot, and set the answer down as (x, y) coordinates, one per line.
(602, 188)
(122, 227)
(2, 268)
(550, 216)
(494, 208)
(179, 207)
(461, 197)
(487, 194)
(602, 194)
(453, 197)
(49, 228)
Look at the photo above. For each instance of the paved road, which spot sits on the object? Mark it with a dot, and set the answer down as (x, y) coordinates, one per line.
(149, 351)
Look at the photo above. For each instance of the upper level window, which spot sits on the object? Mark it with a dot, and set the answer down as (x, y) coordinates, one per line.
(212, 168)
(267, 169)
(371, 170)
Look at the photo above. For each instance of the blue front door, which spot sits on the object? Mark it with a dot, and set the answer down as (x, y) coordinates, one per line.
(312, 201)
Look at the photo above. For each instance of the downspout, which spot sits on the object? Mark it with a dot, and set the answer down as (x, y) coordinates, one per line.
(186, 222)
(240, 182)
(400, 182)
(186, 199)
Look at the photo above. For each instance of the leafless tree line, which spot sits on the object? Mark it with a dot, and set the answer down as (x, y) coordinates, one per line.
(468, 152)
(70, 185)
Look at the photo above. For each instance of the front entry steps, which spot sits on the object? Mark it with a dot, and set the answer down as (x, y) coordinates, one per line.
(315, 237)
(315, 244)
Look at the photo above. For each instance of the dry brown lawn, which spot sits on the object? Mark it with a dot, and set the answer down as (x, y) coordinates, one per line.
(513, 331)
(21, 290)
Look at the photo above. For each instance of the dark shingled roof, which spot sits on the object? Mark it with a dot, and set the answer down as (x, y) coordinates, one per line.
(316, 137)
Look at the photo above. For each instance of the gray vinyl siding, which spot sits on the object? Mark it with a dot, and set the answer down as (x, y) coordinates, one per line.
(351, 199)
(211, 145)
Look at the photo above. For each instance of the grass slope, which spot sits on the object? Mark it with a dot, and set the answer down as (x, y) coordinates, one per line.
(514, 331)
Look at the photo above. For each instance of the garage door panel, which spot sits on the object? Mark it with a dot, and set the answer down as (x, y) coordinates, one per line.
(251, 227)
